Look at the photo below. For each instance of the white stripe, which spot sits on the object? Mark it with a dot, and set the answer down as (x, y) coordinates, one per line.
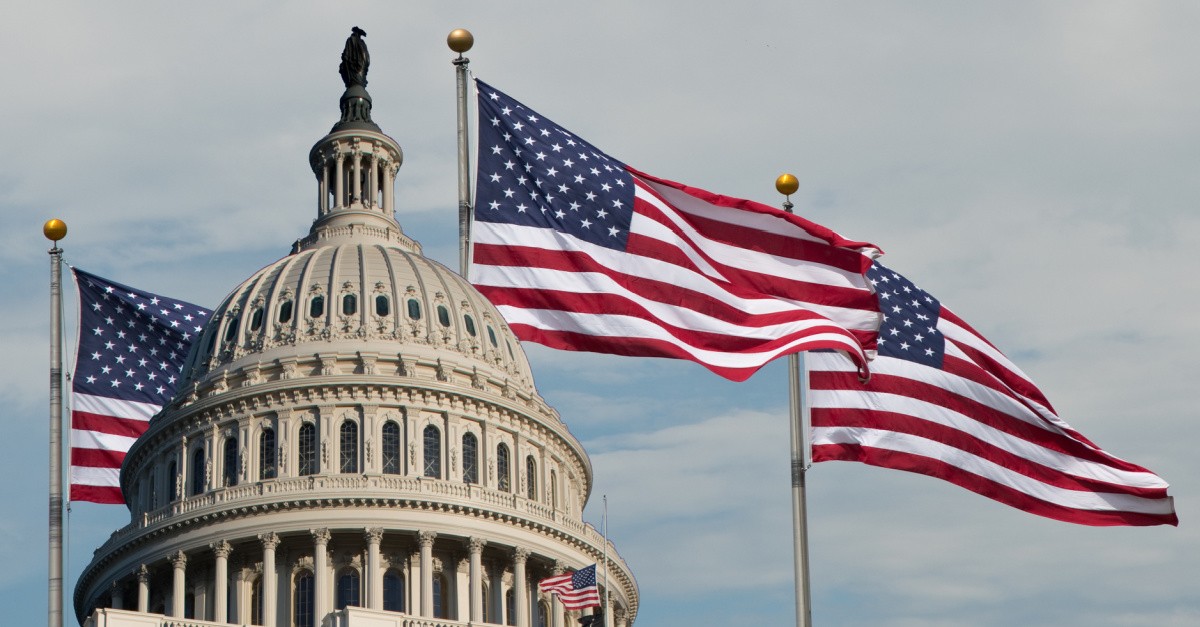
(100, 441)
(118, 408)
(617, 326)
(737, 256)
(88, 475)
(1031, 451)
(635, 267)
(890, 440)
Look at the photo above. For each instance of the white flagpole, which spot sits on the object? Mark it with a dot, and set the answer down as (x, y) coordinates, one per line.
(604, 599)
(787, 185)
(55, 230)
(460, 40)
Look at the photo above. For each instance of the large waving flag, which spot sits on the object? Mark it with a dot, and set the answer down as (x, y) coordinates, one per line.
(577, 590)
(942, 401)
(132, 345)
(581, 252)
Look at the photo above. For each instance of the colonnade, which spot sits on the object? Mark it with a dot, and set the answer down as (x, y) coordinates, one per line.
(474, 587)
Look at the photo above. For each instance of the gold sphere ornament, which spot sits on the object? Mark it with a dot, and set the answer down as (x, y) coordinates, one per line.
(54, 229)
(460, 40)
(787, 184)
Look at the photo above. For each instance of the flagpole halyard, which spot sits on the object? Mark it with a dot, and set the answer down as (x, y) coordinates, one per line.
(55, 230)
(787, 185)
(460, 40)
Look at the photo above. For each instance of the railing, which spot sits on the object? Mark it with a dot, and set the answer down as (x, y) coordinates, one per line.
(348, 617)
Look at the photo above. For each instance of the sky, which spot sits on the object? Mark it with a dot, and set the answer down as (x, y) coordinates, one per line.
(1034, 165)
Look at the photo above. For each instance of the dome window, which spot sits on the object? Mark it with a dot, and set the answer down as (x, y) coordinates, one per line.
(433, 452)
(285, 311)
(391, 448)
(231, 330)
(443, 316)
(348, 443)
(349, 305)
(502, 479)
(492, 337)
(256, 319)
(470, 449)
(316, 308)
(266, 454)
(382, 307)
(470, 322)
(414, 309)
(230, 465)
(307, 450)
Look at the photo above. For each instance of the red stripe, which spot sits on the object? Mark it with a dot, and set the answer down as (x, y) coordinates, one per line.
(96, 494)
(974, 446)
(755, 207)
(96, 458)
(638, 347)
(1014, 498)
(1045, 436)
(85, 421)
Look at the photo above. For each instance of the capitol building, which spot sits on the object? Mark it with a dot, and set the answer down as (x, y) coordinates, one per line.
(359, 443)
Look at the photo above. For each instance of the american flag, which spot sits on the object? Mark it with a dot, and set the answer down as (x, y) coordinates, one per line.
(576, 590)
(581, 252)
(942, 401)
(131, 349)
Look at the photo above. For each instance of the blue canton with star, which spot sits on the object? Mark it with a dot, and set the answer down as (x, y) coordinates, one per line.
(533, 172)
(910, 316)
(132, 344)
(583, 578)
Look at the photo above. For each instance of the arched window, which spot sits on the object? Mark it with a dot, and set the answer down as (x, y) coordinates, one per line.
(543, 612)
(153, 501)
(304, 607)
(266, 454)
(443, 315)
(470, 323)
(470, 456)
(553, 489)
(231, 330)
(256, 598)
(502, 471)
(439, 596)
(256, 319)
(433, 452)
(316, 307)
(382, 307)
(414, 309)
(510, 608)
(307, 449)
(230, 470)
(393, 591)
(391, 448)
(198, 472)
(347, 589)
(285, 311)
(492, 337)
(172, 487)
(531, 478)
(486, 597)
(349, 305)
(348, 444)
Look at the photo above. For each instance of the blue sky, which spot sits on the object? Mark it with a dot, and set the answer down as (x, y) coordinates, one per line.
(1034, 165)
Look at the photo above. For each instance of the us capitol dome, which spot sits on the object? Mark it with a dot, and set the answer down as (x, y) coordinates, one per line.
(359, 443)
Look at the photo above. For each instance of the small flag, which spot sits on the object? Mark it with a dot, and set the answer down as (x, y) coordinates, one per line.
(942, 401)
(576, 590)
(581, 252)
(128, 364)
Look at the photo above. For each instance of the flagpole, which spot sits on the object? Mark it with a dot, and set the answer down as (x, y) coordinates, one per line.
(55, 230)
(460, 40)
(787, 185)
(604, 599)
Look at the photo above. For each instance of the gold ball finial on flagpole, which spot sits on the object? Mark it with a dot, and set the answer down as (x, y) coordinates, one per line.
(460, 40)
(54, 229)
(787, 184)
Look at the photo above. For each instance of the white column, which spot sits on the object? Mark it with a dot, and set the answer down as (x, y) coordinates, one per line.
(143, 578)
(179, 561)
(339, 181)
(520, 592)
(374, 579)
(475, 547)
(425, 538)
(320, 576)
(556, 606)
(221, 581)
(270, 591)
(357, 177)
